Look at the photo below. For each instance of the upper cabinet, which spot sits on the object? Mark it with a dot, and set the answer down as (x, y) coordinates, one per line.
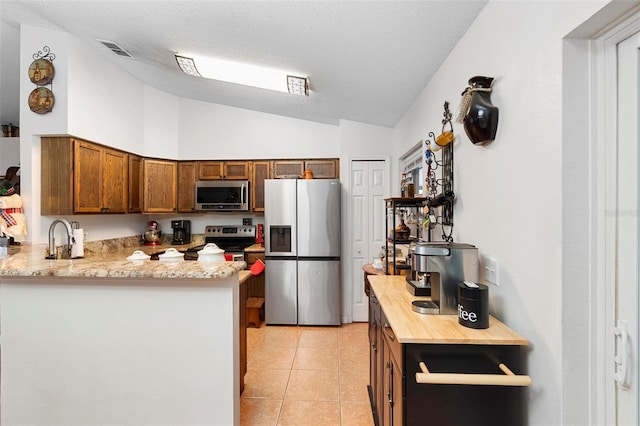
(78, 176)
(288, 168)
(135, 184)
(209, 170)
(187, 186)
(327, 168)
(260, 171)
(323, 169)
(159, 186)
(82, 177)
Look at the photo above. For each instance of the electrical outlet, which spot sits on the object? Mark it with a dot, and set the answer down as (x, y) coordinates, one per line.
(490, 268)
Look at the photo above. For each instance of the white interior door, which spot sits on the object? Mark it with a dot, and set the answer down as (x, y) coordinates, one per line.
(625, 362)
(367, 226)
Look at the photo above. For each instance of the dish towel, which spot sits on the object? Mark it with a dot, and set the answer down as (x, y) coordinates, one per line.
(12, 220)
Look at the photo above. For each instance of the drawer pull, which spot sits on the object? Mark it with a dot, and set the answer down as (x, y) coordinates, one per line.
(506, 379)
(390, 334)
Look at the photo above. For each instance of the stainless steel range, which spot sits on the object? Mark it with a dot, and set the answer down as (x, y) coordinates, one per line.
(233, 239)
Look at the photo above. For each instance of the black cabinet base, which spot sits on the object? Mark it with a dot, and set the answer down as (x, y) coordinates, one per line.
(463, 405)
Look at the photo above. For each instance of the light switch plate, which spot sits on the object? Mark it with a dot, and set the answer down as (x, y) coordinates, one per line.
(491, 270)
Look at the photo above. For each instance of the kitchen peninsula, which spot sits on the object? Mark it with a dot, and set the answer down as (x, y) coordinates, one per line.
(105, 340)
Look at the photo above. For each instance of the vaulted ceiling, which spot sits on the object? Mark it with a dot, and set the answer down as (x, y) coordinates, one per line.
(366, 60)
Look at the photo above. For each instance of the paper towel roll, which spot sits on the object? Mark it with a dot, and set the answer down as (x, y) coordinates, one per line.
(77, 249)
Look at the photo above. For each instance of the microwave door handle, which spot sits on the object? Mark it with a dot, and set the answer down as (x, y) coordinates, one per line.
(243, 194)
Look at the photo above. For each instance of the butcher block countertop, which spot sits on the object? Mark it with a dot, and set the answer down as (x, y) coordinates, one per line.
(255, 248)
(413, 327)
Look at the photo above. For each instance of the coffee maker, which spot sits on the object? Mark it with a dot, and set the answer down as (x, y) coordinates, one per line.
(181, 231)
(436, 270)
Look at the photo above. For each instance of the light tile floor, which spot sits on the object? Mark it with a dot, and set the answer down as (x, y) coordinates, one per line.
(307, 376)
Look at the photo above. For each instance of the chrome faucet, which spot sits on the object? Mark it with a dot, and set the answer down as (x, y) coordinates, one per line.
(52, 240)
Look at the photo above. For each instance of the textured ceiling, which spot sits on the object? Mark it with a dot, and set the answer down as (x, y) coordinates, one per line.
(366, 60)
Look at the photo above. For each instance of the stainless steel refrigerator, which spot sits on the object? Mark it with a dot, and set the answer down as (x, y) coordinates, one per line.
(302, 251)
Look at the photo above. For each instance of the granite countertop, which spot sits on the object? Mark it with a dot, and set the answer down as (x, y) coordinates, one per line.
(412, 327)
(29, 261)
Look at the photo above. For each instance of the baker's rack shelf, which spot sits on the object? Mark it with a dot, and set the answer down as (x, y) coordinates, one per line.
(394, 207)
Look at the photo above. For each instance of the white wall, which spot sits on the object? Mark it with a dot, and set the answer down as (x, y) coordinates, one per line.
(222, 132)
(161, 124)
(32, 40)
(105, 104)
(509, 192)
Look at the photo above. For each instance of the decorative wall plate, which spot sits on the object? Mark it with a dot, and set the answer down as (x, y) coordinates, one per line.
(41, 100)
(41, 72)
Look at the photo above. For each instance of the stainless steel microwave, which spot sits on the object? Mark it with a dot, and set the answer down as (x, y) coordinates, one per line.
(222, 195)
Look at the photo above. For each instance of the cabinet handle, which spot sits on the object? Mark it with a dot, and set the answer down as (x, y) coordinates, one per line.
(390, 393)
(508, 379)
(391, 336)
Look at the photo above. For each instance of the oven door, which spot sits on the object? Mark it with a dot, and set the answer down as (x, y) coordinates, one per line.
(222, 195)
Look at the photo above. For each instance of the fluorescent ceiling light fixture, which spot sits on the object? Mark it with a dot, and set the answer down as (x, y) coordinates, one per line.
(245, 74)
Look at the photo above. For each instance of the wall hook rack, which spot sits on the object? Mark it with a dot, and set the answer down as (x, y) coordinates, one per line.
(440, 193)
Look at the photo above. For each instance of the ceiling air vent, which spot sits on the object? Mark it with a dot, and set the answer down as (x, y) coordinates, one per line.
(115, 48)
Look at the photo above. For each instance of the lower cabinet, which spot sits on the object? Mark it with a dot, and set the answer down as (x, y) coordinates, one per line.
(392, 379)
(255, 284)
(375, 358)
(397, 398)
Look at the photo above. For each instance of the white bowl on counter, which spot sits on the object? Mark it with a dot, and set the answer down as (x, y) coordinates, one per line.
(211, 253)
(171, 255)
(138, 255)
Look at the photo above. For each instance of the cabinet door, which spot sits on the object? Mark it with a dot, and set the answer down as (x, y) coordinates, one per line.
(236, 170)
(260, 171)
(282, 168)
(115, 188)
(208, 170)
(135, 184)
(395, 400)
(87, 179)
(323, 169)
(56, 176)
(186, 186)
(159, 194)
(375, 356)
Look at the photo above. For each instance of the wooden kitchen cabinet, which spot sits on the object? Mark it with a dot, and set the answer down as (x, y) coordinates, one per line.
(323, 169)
(287, 168)
(186, 186)
(211, 170)
(135, 184)
(159, 186)
(82, 177)
(376, 367)
(392, 379)
(328, 168)
(260, 171)
(255, 287)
